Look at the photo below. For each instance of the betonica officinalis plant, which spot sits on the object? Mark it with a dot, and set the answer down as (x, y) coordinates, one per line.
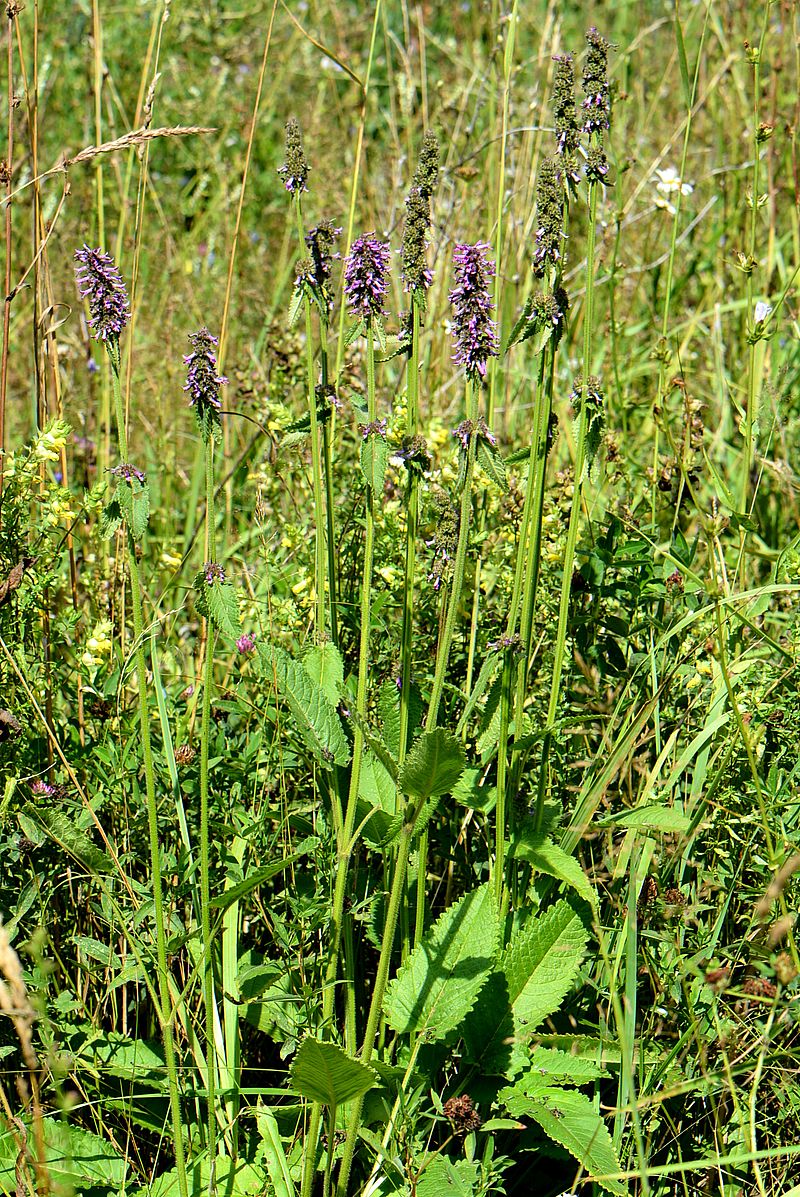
(399, 581)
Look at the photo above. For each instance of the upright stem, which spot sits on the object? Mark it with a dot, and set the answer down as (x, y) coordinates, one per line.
(412, 516)
(316, 464)
(446, 640)
(165, 1011)
(7, 292)
(344, 846)
(205, 873)
(574, 515)
(381, 979)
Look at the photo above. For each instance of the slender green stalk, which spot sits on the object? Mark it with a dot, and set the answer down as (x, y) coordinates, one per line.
(754, 348)
(498, 865)
(165, 1011)
(412, 519)
(664, 356)
(345, 839)
(316, 460)
(205, 868)
(574, 515)
(376, 1004)
(446, 639)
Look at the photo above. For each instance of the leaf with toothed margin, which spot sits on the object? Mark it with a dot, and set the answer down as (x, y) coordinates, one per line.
(437, 986)
(315, 716)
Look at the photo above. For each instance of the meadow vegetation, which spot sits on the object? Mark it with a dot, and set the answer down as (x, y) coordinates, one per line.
(399, 576)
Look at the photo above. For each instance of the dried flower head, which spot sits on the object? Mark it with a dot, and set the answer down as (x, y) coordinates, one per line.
(567, 131)
(295, 167)
(202, 380)
(596, 165)
(365, 277)
(100, 282)
(185, 754)
(474, 330)
(127, 472)
(550, 212)
(462, 1113)
(597, 104)
(444, 540)
(416, 275)
(320, 241)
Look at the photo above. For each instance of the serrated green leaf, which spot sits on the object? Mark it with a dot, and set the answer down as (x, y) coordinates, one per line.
(274, 1155)
(389, 714)
(315, 716)
(569, 1118)
(295, 307)
(325, 1073)
(76, 1159)
(324, 666)
(440, 980)
(111, 1053)
(491, 463)
(651, 818)
(353, 331)
(380, 332)
(69, 837)
(222, 604)
(548, 1066)
(374, 456)
(549, 857)
(134, 503)
(433, 766)
(541, 963)
(443, 1178)
(535, 973)
(111, 518)
(469, 792)
(517, 332)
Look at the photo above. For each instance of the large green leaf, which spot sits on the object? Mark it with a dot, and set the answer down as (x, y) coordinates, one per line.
(548, 857)
(433, 766)
(111, 1053)
(570, 1119)
(324, 1072)
(68, 836)
(443, 1178)
(440, 980)
(548, 1067)
(314, 713)
(323, 664)
(374, 456)
(76, 1160)
(536, 972)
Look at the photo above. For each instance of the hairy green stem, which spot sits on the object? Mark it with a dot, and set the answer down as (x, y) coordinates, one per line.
(446, 639)
(316, 460)
(574, 515)
(165, 1011)
(345, 839)
(376, 1004)
(205, 868)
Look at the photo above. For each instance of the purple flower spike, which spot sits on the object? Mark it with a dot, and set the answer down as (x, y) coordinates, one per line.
(202, 380)
(246, 645)
(365, 277)
(100, 282)
(474, 330)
